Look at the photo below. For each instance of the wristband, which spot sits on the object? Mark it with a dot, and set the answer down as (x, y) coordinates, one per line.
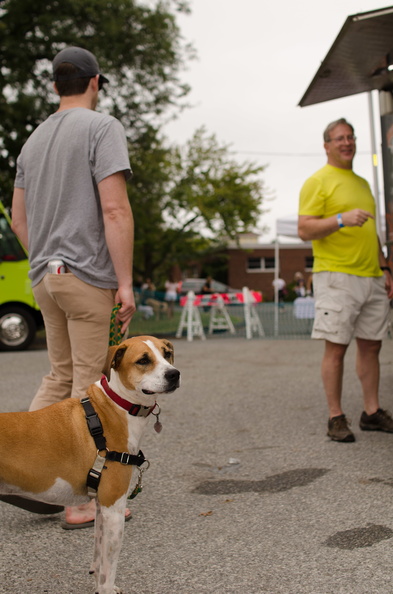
(340, 221)
(386, 268)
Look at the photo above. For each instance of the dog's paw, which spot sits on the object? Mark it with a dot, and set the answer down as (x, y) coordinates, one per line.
(117, 590)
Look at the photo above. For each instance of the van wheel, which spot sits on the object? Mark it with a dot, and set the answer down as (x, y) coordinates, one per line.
(17, 328)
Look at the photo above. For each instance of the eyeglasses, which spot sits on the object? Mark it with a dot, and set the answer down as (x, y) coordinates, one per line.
(339, 139)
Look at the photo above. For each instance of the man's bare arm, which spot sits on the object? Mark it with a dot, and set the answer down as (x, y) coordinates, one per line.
(311, 227)
(119, 235)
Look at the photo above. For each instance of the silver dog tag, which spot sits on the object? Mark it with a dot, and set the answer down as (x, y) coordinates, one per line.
(157, 426)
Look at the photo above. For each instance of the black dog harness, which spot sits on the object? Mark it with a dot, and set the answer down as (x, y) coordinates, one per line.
(97, 432)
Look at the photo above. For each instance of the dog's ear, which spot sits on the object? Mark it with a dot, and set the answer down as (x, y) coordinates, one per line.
(169, 347)
(118, 356)
(113, 359)
(108, 363)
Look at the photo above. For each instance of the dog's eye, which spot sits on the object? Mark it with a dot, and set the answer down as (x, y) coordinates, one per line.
(167, 355)
(143, 361)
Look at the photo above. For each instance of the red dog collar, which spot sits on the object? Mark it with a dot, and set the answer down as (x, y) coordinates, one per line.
(136, 410)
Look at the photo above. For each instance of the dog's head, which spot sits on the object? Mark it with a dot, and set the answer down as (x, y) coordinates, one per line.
(142, 364)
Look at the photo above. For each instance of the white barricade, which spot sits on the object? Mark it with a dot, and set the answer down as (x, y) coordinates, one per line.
(251, 318)
(219, 317)
(190, 320)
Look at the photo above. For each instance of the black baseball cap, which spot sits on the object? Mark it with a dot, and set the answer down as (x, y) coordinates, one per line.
(84, 61)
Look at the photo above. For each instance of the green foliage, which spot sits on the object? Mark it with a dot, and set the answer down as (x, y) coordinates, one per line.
(188, 202)
(137, 44)
(214, 190)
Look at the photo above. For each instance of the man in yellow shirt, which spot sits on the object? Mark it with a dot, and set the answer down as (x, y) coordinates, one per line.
(352, 282)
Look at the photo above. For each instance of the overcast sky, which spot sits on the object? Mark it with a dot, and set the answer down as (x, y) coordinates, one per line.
(256, 59)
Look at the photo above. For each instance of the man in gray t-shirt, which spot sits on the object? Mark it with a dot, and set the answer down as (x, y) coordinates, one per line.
(70, 203)
(60, 168)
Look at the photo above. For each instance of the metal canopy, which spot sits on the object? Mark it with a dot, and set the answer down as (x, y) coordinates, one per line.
(358, 60)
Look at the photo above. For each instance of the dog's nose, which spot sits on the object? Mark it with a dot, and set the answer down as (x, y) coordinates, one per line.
(172, 375)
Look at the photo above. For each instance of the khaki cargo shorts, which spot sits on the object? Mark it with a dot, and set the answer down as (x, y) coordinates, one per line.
(349, 306)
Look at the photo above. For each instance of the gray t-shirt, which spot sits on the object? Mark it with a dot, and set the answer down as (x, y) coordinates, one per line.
(60, 167)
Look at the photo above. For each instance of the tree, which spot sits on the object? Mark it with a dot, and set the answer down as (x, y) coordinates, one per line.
(214, 191)
(186, 201)
(189, 201)
(138, 44)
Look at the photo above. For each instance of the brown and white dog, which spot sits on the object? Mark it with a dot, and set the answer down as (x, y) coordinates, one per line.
(46, 455)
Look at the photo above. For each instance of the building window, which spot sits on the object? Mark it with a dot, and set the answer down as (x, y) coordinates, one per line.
(254, 263)
(270, 263)
(260, 264)
(309, 263)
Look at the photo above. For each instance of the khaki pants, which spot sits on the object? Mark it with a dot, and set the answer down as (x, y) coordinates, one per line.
(77, 320)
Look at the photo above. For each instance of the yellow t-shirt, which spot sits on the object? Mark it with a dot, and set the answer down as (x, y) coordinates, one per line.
(352, 250)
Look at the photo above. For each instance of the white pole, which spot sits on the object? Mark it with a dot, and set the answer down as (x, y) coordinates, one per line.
(247, 314)
(276, 273)
(375, 167)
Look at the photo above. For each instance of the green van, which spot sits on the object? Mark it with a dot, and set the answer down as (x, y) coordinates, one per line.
(20, 317)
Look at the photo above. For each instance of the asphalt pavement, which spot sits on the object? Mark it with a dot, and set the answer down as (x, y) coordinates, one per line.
(245, 493)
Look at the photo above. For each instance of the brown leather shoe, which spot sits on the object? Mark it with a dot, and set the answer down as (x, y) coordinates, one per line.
(338, 429)
(379, 421)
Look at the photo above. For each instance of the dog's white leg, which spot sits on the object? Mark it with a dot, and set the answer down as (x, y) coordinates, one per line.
(109, 541)
(97, 539)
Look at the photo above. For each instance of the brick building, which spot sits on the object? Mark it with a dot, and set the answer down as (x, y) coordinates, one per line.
(252, 264)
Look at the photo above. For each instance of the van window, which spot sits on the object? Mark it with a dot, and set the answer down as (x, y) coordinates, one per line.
(10, 248)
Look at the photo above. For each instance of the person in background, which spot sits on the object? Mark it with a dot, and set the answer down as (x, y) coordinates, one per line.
(148, 285)
(207, 286)
(171, 294)
(148, 290)
(70, 203)
(351, 279)
(299, 285)
(280, 286)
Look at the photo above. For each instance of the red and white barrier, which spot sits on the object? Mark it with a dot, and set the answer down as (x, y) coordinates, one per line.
(228, 299)
(219, 317)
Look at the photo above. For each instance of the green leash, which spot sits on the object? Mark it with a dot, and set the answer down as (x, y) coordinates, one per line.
(115, 333)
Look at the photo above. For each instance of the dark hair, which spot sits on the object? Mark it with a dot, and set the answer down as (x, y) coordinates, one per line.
(76, 86)
(332, 125)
